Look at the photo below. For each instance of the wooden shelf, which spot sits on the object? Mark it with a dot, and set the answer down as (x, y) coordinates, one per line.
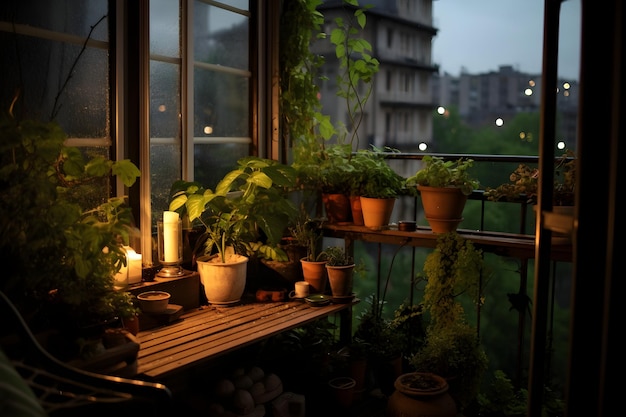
(504, 244)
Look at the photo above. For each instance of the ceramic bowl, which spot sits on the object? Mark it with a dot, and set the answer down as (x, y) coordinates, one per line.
(154, 301)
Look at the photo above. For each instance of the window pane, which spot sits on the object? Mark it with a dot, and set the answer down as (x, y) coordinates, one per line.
(165, 142)
(220, 36)
(212, 162)
(64, 16)
(58, 80)
(164, 28)
(221, 105)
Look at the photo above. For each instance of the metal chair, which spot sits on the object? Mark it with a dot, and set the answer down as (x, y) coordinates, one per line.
(63, 390)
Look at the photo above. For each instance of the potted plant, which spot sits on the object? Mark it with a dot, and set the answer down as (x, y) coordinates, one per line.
(524, 182)
(422, 394)
(63, 252)
(340, 268)
(376, 184)
(452, 348)
(381, 345)
(245, 216)
(444, 186)
(322, 148)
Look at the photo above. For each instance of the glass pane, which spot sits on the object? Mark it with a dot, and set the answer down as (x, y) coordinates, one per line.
(164, 170)
(47, 91)
(64, 16)
(165, 144)
(165, 28)
(212, 162)
(220, 36)
(221, 105)
(164, 100)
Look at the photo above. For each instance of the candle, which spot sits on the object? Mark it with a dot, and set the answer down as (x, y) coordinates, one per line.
(170, 237)
(134, 265)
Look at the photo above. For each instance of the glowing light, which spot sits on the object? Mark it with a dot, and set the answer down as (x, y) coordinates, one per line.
(531, 83)
(560, 145)
(566, 86)
(162, 108)
(441, 110)
(499, 122)
(522, 135)
(528, 91)
(422, 146)
(208, 130)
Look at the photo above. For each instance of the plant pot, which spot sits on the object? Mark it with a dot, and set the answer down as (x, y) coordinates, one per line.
(377, 211)
(314, 272)
(443, 207)
(224, 283)
(340, 279)
(411, 400)
(342, 389)
(357, 210)
(337, 207)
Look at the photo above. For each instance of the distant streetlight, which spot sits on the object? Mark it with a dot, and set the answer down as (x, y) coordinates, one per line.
(560, 144)
(441, 110)
(499, 122)
(422, 146)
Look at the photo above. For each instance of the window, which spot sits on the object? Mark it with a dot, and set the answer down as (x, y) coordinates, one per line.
(199, 118)
(198, 132)
(56, 59)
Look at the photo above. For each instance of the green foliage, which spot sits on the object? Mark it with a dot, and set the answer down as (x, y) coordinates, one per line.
(63, 255)
(452, 348)
(454, 352)
(357, 66)
(250, 199)
(441, 173)
(374, 334)
(323, 168)
(455, 267)
(307, 233)
(524, 183)
(336, 256)
(501, 398)
(373, 177)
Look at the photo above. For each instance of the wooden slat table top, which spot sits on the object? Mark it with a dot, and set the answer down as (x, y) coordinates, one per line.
(205, 333)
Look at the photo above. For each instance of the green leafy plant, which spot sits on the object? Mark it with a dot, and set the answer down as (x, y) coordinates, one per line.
(250, 200)
(439, 172)
(308, 233)
(337, 256)
(452, 348)
(64, 249)
(524, 183)
(322, 149)
(372, 176)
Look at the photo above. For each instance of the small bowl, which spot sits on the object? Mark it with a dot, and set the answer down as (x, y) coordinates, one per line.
(154, 301)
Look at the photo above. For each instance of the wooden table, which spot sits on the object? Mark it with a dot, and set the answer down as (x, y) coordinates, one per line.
(208, 332)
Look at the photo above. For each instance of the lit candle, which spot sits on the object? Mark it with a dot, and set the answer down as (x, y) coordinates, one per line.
(170, 236)
(134, 265)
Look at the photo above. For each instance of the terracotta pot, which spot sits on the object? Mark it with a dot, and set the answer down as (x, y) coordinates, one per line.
(314, 272)
(410, 401)
(340, 279)
(377, 211)
(357, 210)
(224, 283)
(343, 390)
(337, 207)
(443, 207)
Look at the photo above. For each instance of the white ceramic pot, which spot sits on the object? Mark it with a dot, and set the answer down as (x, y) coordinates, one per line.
(224, 283)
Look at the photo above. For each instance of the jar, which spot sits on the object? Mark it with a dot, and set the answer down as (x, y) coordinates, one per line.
(420, 394)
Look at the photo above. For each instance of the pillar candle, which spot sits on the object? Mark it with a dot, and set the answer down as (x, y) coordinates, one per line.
(170, 236)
